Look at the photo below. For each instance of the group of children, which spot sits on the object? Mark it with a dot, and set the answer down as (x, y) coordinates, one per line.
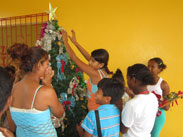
(32, 103)
(138, 117)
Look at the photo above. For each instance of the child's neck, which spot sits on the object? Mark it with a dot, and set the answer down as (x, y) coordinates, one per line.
(140, 89)
(156, 78)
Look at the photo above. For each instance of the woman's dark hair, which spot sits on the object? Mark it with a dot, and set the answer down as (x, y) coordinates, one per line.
(160, 63)
(17, 50)
(31, 57)
(6, 84)
(141, 73)
(113, 88)
(102, 56)
(119, 76)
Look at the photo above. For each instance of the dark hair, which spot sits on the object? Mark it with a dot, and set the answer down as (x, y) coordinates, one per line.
(10, 69)
(141, 73)
(6, 84)
(160, 63)
(113, 88)
(17, 50)
(102, 56)
(31, 57)
(119, 76)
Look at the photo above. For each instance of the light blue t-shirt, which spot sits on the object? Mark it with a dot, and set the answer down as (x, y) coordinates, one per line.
(109, 116)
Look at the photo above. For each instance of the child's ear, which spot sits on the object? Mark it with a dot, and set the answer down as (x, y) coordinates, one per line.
(107, 99)
(134, 79)
(101, 65)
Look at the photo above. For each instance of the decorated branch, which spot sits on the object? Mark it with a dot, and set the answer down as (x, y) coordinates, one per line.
(168, 99)
(171, 98)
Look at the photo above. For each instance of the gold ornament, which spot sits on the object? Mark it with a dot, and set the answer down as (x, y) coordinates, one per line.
(59, 43)
(72, 67)
(51, 12)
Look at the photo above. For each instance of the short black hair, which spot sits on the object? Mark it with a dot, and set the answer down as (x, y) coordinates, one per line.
(141, 73)
(113, 88)
(119, 76)
(6, 84)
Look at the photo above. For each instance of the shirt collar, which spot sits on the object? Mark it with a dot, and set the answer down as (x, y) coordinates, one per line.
(106, 106)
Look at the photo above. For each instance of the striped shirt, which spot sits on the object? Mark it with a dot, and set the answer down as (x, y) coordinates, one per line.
(109, 121)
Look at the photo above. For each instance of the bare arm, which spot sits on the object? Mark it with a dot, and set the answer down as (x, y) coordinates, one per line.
(123, 129)
(166, 90)
(84, 67)
(53, 102)
(79, 47)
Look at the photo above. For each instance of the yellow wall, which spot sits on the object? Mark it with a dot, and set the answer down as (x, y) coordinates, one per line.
(131, 30)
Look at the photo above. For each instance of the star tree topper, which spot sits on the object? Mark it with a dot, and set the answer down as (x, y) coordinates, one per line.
(51, 12)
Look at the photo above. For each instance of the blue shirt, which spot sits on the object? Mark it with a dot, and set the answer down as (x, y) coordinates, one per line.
(109, 116)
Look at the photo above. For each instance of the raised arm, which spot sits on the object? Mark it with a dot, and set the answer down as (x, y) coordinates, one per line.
(79, 47)
(91, 72)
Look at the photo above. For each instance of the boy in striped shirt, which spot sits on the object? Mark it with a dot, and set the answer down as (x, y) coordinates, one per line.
(109, 92)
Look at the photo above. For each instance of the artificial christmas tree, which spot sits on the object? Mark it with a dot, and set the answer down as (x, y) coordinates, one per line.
(68, 80)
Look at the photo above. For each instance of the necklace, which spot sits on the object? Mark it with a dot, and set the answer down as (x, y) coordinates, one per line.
(144, 92)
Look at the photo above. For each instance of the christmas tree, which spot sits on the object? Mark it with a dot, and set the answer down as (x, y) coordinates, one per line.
(68, 80)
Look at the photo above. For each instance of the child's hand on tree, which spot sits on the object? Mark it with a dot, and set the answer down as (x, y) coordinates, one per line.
(73, 38)
(47, 79)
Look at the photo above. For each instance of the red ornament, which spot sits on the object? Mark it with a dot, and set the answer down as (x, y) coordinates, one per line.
(77, 69)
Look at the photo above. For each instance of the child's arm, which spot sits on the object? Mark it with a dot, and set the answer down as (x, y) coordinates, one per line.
(84, 67)
(86, 134)
(166, 90)
(80, 48)
(123, 129)
(82, 132)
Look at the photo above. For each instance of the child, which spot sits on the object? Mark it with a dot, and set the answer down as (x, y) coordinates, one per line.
(109, 92)
(33, 103)
(139, 113)
(161, 88)
(6, 84)
(96, 70)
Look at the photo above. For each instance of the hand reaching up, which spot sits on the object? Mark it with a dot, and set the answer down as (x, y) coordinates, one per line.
(73, 38)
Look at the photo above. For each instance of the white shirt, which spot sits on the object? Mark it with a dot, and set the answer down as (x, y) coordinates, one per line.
(156, 88)
(139, 115)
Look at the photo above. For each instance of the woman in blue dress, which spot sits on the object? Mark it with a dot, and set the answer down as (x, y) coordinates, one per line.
(32, 103)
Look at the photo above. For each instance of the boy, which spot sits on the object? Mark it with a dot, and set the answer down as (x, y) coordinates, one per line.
(109, 92)
(6, 84)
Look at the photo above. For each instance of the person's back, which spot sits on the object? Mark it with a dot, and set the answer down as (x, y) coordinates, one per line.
(144, 108)
(109, 121)
(138, 114)
(32, 102)
(30, 113)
